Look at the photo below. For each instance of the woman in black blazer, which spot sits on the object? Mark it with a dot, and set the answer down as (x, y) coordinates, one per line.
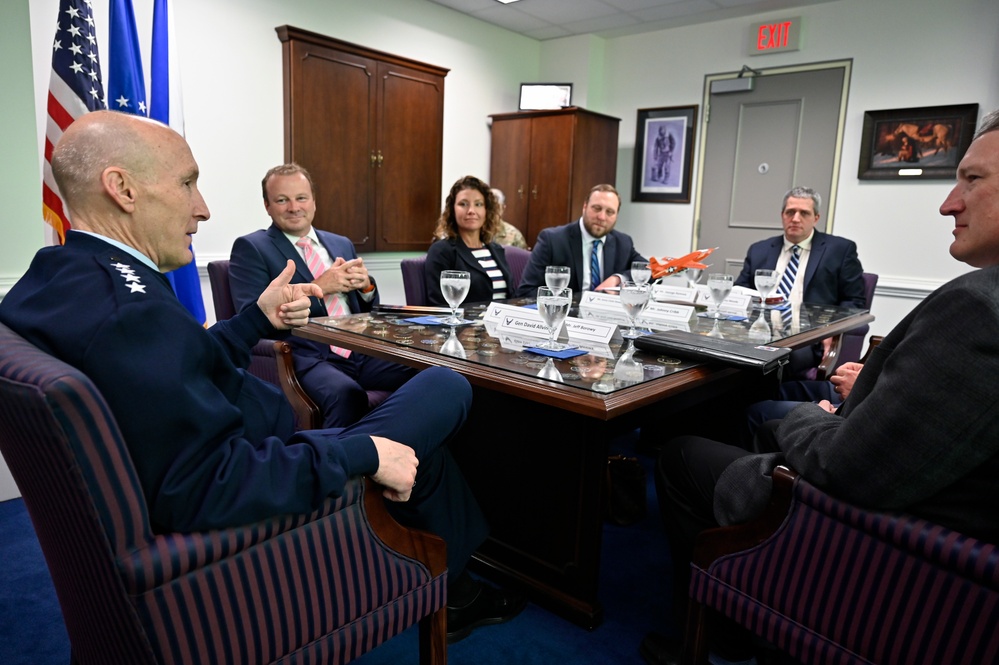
(465, 230)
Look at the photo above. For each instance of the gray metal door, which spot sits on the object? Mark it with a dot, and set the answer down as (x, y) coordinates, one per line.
(759, 144)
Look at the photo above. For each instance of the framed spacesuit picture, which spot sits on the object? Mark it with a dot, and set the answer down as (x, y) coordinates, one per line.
(664, 145)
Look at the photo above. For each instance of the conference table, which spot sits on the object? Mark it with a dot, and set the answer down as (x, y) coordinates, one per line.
(534, 449)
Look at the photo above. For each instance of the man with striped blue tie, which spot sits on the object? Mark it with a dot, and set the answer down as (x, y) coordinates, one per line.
(598, 256)
(815, 267)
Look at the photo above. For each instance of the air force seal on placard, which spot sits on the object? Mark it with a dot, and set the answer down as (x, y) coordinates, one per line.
(132, 281)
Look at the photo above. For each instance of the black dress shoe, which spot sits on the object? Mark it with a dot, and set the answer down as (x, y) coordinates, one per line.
(658, 649)
(489, 606)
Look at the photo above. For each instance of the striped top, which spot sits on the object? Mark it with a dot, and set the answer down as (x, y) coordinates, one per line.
(488, 263)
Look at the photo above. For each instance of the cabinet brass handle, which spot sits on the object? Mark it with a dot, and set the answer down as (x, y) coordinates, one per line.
(520, 192)
(373, 158)
(535, 192)
(380, 159)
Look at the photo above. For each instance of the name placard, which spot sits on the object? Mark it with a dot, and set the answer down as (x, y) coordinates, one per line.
(522, 321)
(674, 293)
(495, 310)
(661, 312)
(598, 300)
(737, 303)
(610, 316)
(589, 329)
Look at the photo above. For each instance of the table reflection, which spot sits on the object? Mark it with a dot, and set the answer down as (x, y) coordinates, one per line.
(599, 367)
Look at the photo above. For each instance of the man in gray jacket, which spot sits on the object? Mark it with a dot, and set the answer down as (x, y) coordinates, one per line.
(918, 433)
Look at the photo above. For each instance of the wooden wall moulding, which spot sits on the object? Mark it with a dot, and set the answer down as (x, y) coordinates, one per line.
(369, 126)
(546, 162)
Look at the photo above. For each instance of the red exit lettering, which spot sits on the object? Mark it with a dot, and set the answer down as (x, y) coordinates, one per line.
(773, 36)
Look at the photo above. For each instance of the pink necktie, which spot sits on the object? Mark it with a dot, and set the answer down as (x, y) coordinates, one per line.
(334, 303)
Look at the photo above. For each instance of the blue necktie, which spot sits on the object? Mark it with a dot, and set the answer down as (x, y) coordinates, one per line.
(790, 272)
(595, 265)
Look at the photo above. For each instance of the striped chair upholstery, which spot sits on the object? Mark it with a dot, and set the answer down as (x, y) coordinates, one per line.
(318, 588)
(830, 583)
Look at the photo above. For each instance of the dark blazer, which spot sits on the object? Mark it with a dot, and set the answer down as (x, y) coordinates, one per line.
(453, 254)
(213, 445)
(259, 257)
(563, 246)
(919, 432)
(833, 275)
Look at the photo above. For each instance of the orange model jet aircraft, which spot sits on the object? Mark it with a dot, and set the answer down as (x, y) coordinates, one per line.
(668, 265)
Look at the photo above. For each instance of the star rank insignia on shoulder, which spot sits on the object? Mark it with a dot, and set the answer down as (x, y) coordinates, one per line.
(132, 281)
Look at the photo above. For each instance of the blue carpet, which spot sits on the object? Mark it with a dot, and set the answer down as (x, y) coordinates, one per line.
(633, 588)
(31, 627)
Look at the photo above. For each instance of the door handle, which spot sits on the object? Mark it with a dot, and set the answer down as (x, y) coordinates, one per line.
(520, 192)
(534, 192)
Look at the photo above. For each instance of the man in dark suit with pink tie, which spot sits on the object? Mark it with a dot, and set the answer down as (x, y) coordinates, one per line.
(336, 379)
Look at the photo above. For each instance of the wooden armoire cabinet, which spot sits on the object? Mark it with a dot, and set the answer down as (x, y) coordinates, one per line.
(369, 128)
(546, 162)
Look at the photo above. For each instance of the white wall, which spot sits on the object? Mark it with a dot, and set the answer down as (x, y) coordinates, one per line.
(20, 185)
(906, 53)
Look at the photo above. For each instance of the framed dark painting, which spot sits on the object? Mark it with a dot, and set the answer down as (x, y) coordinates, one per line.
(664, 145)
(924, 143)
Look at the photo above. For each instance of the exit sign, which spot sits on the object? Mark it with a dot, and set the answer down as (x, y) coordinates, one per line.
(775, 36)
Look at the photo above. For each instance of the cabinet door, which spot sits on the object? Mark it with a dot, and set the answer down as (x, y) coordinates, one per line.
(333, 114)
(510, 168)
(551, 160)
(409, 155)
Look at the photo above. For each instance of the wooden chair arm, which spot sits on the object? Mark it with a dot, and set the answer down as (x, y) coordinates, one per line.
(420, 545)
(873, 344)
(714, 543)
(828, 363)
(306, 411)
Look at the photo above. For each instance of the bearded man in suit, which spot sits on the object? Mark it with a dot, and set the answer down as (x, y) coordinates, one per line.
(598, 256)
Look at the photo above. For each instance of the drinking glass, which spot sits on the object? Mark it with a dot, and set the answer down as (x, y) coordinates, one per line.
(452, 345)
(557, 277)
(693, 276)
(550, 372)
(553, 306)
(765, 282)
(759, 332)
(641, 273)
(633, 299)
(454, 285)
(719, 285)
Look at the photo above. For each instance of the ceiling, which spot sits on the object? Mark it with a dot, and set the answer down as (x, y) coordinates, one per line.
(550, 19)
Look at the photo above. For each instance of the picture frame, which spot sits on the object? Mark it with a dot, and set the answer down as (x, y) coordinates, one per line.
(664, 147)
(922, 143)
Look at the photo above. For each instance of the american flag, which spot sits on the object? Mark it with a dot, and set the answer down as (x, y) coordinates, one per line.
(75, 88)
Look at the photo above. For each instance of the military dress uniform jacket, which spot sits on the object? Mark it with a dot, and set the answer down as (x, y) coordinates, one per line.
(213, 445)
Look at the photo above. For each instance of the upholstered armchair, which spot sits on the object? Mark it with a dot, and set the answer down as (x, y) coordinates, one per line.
(414, 281)
(321, 588)
(828, 582)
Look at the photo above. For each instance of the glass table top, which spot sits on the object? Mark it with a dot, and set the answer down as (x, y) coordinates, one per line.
(598, 367)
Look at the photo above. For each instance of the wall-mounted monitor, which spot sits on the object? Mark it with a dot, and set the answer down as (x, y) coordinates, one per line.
(538, 96)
